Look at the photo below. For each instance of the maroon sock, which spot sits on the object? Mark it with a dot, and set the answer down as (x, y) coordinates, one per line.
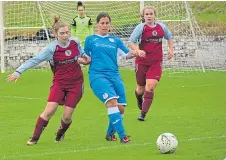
(63, 127)
(139, 97)
(148, 98)
(40, 126)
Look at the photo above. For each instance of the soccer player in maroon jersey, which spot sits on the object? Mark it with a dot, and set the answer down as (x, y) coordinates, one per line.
(65, 53)
(149, 35)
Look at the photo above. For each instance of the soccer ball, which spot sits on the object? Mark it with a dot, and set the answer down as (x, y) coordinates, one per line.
(167, 143)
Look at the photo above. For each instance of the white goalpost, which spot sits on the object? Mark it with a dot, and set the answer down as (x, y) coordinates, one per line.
(25, 28)
(2, 38)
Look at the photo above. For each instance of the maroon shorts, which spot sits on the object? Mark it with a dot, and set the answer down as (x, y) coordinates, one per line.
(144, 72)
(66, 96)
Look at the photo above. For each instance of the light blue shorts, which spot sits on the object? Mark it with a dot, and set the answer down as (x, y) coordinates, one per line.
(108, 88)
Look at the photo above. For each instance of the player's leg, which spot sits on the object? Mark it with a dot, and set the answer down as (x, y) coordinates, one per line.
(110, 136)
(104, 90)
(148, 97)
(42, 122)
(141, 81)
(116, 119)
(152, 78)
(64, 123)
(101, 89)
(56, 95)
(72, 98)
(120, 91)
(139, 93)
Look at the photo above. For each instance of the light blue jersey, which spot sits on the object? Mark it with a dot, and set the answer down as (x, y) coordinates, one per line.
(46, 54)
(104, 76)
(103, 51)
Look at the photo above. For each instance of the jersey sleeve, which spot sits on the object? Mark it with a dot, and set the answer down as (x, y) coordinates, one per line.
(167, 34)
(120, 53)
(90, 22)
(90, 26)
(136, 34)
(73, 23)
(122, 46)
(44, 55)
(87, 46)
(73, 28)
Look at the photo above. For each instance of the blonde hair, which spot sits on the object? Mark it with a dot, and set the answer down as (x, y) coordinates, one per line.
(148, 7)
(57, 24)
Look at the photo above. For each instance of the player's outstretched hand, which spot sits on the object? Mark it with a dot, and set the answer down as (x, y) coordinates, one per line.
(84, 60)
(11, 78)
(170, 56)
(141, 53)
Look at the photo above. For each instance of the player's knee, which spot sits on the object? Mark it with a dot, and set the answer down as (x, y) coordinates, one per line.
(47, 115)
(151, 84)
(121, 109)
(67, 119)
(112, 103)
(150, 87)
(140, 89)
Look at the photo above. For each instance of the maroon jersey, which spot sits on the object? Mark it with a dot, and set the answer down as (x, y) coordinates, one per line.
(67, 71)
(151, 43)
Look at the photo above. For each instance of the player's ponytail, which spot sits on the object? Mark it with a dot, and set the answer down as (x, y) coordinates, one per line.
(80, 4)
(56, 18)
(57, 23)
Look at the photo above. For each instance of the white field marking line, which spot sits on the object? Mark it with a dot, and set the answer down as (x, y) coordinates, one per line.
(197, 86)
(128, 90)
(20, 97)
(170, 73)
(102, 148)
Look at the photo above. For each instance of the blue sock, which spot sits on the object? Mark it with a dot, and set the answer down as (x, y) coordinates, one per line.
(111, 130)
(116, 121)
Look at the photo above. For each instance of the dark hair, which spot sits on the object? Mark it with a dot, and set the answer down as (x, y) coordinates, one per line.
(102, 15)
(79, 4)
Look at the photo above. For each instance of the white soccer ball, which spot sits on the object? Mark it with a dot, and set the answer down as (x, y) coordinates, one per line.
(167, 143)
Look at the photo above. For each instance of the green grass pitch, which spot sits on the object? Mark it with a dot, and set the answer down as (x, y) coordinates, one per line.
(190, 105)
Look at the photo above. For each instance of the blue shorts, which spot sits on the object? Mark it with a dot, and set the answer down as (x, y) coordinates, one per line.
(108, 88)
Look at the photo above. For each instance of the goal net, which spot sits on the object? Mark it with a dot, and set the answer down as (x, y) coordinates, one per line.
(27, 29)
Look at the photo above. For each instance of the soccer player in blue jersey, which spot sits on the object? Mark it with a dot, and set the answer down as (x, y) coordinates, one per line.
(149, 69)
(104, 76)
(67, 85)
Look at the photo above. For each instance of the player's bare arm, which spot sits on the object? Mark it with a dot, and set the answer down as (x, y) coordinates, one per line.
(170, 44)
